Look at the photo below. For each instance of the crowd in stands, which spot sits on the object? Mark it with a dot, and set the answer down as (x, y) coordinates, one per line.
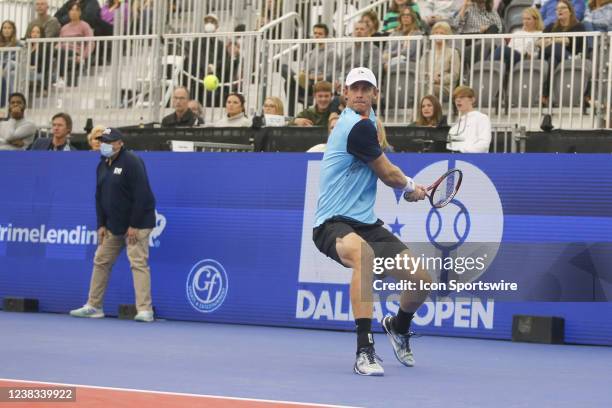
(85, 18)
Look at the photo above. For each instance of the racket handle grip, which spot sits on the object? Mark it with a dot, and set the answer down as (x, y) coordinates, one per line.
(407, 196)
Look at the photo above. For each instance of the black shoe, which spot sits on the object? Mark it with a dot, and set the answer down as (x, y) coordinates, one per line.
(399, 342)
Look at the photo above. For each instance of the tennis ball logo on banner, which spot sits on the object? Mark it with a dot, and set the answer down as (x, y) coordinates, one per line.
(207, 286)
(471, 226)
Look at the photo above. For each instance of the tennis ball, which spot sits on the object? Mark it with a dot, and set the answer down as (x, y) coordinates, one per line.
(211, 82)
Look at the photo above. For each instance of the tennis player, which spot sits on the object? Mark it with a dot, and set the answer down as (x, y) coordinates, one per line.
(346, 228)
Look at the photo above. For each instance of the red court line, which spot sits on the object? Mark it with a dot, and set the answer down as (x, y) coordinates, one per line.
(106, 397)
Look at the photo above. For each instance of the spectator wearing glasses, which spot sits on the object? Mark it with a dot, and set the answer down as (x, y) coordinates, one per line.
(399, 52)
(549, 10)
(391, 17)
(182, 115)
(555, 49)
(273, 105)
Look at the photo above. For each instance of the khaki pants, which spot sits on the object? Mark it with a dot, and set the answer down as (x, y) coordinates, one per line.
(105, 258)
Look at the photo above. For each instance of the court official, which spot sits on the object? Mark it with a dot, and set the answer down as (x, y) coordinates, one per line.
(125, 208)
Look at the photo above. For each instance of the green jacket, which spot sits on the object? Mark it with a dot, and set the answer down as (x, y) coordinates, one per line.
(317, 118)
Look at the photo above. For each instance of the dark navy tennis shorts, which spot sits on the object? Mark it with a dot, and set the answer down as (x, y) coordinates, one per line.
(387, 245)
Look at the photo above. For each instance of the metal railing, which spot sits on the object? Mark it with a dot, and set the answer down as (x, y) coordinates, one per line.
(565, 81)
(513, 138)
(231, 57)
(144, 17)
(21, 12)
(129, 80)
(184, 146)
(108, 78)
(9, 72)
(351, 15)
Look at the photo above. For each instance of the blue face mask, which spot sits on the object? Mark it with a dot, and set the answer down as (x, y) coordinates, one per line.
(106, 149)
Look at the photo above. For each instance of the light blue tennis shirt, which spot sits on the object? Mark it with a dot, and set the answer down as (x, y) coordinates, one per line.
(347, 187)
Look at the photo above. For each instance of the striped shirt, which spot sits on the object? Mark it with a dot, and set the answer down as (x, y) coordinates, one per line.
(474, 19)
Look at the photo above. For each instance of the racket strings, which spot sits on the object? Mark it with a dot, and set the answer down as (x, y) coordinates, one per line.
(445, 191)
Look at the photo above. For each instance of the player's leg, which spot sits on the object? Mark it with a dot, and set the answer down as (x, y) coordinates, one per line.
(356, 254)
(104, 259)
(398, 327)
(387, 245)
(339, 241)
(352, 249)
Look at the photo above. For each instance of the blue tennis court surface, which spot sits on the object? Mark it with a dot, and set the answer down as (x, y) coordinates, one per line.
(298, 365)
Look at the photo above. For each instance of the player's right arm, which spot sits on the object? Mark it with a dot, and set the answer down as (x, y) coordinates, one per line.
(394, 177)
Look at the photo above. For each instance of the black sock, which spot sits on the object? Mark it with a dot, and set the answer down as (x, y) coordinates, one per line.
(401, 323)
(364, 333)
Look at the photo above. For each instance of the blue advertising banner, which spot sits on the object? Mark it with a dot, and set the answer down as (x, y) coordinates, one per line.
(233, 241)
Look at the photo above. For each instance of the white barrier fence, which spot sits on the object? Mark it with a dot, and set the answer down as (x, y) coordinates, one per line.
(21, 12)
(232, 58)
(9, 72)
(110, 79)
(129, 80)
(561, 75)
(143, 17)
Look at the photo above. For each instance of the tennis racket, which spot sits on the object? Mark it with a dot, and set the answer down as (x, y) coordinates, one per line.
(444, 189)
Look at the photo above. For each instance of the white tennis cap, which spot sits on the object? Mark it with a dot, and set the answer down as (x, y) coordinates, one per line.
(361, 74)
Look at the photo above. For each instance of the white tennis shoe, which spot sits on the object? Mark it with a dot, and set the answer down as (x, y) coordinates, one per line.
(87, 311)
(366, 362)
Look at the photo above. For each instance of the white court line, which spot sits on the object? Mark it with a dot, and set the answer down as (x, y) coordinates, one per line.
(180, 394)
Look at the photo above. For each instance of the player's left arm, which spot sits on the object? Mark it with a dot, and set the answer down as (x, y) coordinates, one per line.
(394, 177)
(363, 144)
(389, 173)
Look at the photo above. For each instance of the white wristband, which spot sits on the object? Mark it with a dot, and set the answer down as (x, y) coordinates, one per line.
(410, 186)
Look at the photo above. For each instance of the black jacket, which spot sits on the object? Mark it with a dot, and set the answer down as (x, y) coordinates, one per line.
(188, 119)
(123, 194)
